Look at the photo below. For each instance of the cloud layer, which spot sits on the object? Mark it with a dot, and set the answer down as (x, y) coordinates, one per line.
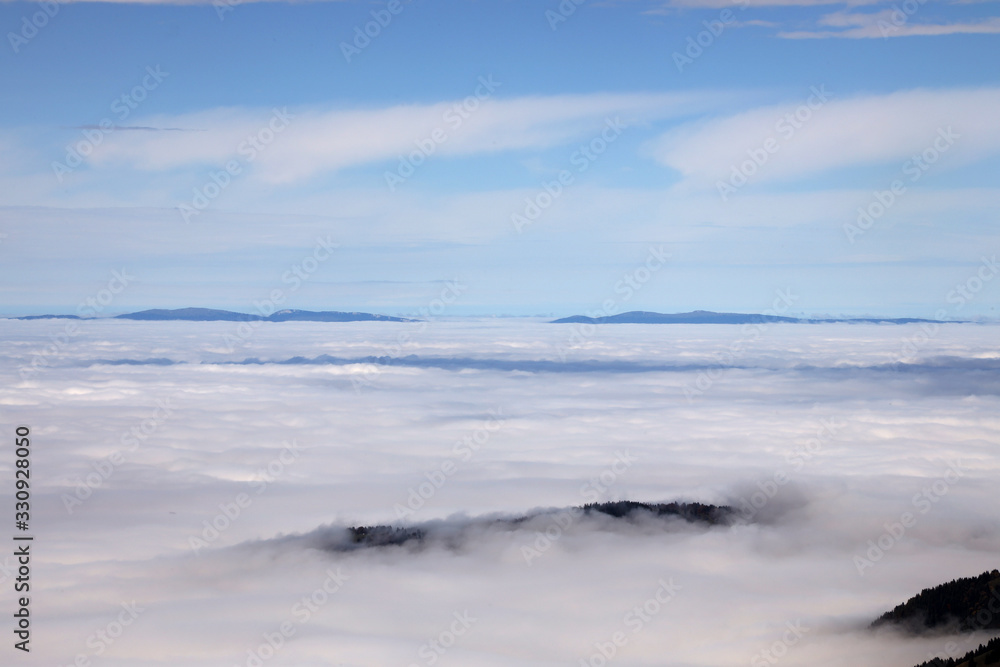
(296, 447)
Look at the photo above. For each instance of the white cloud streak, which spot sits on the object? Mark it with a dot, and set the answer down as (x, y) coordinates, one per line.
(841, 133)
(318, 141)
(890, 23)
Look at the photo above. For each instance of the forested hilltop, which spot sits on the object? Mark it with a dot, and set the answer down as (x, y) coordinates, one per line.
(965, 605)
(961, 604)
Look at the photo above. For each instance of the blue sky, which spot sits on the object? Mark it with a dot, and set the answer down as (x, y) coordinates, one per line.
(320, 146)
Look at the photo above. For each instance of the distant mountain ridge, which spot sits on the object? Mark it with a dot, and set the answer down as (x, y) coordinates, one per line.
(709, 317)
(631, 317)
(214, 315)
(193, 314)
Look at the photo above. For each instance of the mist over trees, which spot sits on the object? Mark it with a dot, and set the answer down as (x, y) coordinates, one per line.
(964, 605)
(961, 604)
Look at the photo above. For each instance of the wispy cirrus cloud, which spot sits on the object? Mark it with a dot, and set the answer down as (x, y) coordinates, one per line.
(317, 141)
(848, 23)
(721, 4)
(168, 2)
(843, 133)
(889, 23)
(139, 128)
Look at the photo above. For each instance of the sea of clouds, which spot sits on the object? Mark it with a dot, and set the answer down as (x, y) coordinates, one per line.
(184, 475)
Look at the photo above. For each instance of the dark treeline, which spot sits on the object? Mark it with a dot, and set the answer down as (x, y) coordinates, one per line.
(624, 510)
(693, 512)
(962, 605)
(986, 654)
